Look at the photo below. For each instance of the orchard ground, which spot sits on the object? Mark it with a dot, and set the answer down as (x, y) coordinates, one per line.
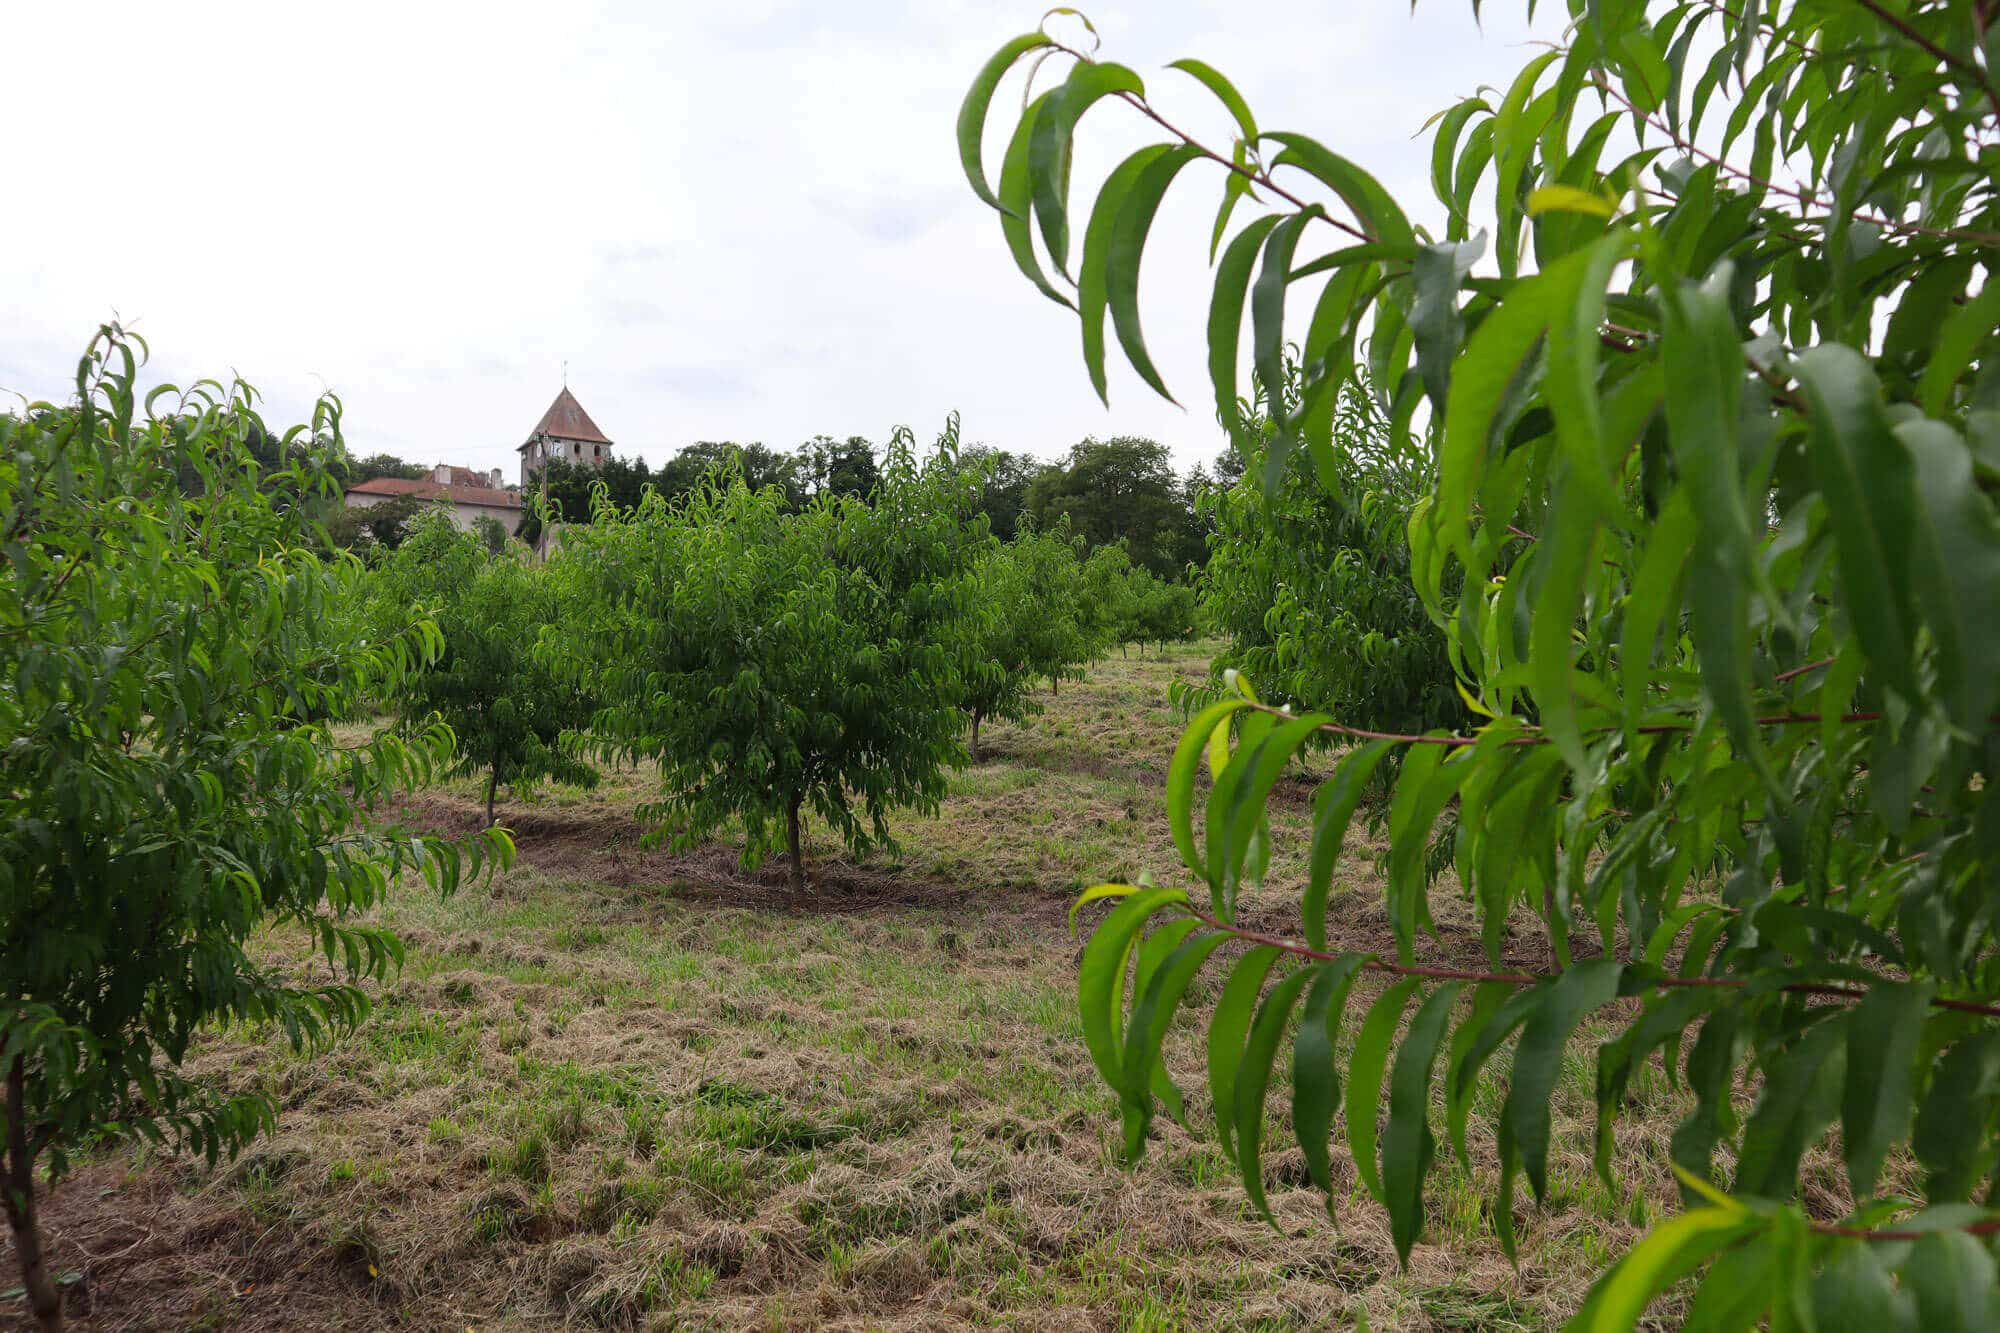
(625, 1088)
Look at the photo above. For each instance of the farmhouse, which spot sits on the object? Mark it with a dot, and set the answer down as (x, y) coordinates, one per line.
(471, 495)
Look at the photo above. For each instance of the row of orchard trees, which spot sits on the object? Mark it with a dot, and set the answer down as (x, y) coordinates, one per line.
(776, 662)
(177, 643)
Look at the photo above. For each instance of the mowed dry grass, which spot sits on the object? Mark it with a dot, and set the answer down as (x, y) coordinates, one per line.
(626, 1089)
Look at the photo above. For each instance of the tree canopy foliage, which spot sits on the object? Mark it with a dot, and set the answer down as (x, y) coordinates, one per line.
(507, 708)
(776, 662)
(1029, 624)
(167, 791)
(1123, 489)
(1313, 587)
(1702, 339)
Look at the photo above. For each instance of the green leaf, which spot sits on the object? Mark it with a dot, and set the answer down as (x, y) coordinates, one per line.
(1227, 1028)
(1963, 335)
(1705, 372)
(1500, 352)
(1653, 602)
(1955, 1283)
(1799, 1099)
(1049, 148)
(1152, 1015)
(1333, 811)
(1225, 320)
(1479, 1047)
(1867, 478)
(1854, 1291)
(1538, 1058)
(1100, 984)
(1669, 1252)
(1373, 207)
(1566, 558)
(1434, 318)
(1095, 893)
(1956, 570)
(1429, 778)
(1181, 772)
(1267, 312)
(1953, 1136)
(1365, 1069)
(1236, 805)
(1224, 91)
(1569, 199)
(1882, 1037)
(1016, 200)
(1408, 1145)
(1253, 1080)
(1128, 247)
(1666, 1018)
(972, 112)
(1315, 1071)
(1093, 291)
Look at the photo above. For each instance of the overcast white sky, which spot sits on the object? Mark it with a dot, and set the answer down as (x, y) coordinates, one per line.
(734, 221)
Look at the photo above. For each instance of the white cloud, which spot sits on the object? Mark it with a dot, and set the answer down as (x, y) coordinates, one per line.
(741, 221)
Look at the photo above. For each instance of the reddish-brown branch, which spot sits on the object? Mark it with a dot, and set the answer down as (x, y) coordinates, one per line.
(1989, 1227)
(1537, 737)
(1796, 672)
(1964, 67)
(1799, 194)
(1845, 993)
(1262, 178)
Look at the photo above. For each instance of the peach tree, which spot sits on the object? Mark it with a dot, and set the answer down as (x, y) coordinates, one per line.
(1028, 625)
(168, 639)
(1701, 335)
(507, 709)
(775, 662)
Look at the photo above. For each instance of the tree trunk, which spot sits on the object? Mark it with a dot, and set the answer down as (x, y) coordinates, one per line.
(43, 1298)
(976, 715)
(794, 842)
(492, 784)
(1055, 685)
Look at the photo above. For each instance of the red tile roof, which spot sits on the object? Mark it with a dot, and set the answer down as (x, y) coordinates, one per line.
(430, 490)
(566, 420)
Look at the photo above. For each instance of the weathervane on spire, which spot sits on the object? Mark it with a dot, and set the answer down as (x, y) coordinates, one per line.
(565, 373)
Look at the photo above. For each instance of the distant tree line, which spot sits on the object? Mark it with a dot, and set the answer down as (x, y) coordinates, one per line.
(1121, 490)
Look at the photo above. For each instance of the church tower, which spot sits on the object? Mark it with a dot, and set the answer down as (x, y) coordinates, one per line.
(566, 432)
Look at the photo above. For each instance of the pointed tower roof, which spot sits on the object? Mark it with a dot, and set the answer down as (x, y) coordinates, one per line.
(566, 420)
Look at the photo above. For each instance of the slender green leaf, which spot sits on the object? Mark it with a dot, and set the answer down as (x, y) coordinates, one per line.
(1365, 1070)
(972, 112)
(1227, 1029)
(1253, 1080)
(1315, 1071)
(1408, 1144)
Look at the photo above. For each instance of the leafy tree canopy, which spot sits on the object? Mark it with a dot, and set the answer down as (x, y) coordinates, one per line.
(1312, 586)
(504, 705)
(167, 792)
(772, 662)
(1705, 342)
(1123, 489)
(1029, 625)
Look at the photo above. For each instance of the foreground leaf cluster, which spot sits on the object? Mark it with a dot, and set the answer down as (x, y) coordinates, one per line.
(1702, 348)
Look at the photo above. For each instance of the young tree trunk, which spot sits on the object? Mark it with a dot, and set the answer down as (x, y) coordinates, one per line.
(1055, 685)
(795, 844)
(43, 1298)
(492, 784)
(976, 715)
